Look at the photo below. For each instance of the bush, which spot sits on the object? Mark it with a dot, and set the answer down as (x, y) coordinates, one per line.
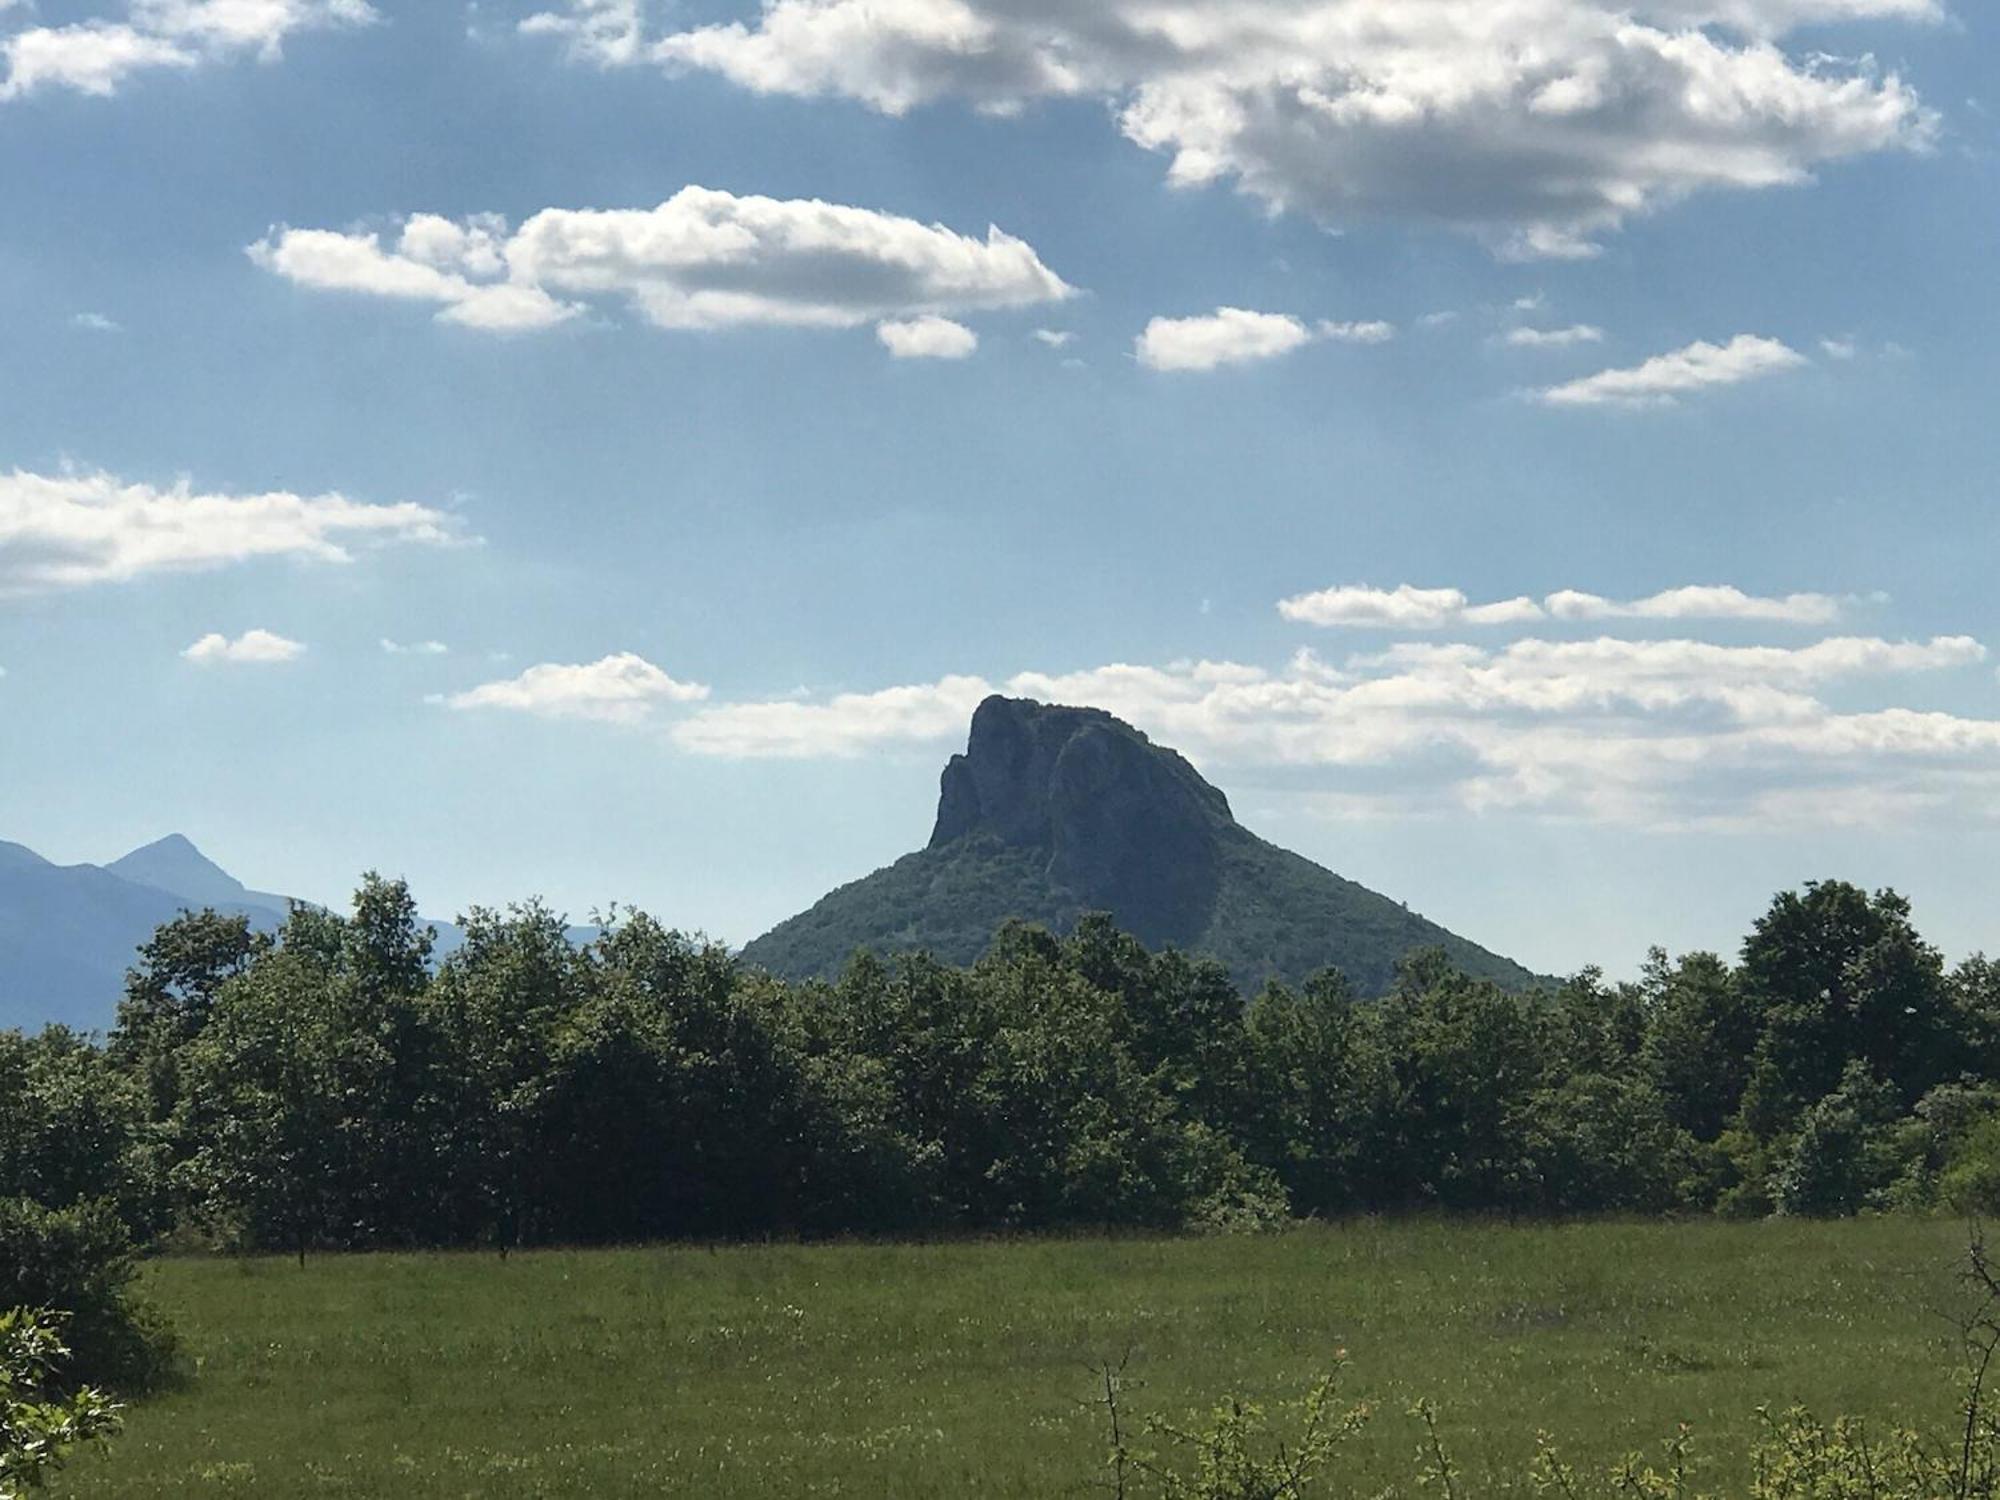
(1236, 1452)
(78, 1263)
(39, 1427)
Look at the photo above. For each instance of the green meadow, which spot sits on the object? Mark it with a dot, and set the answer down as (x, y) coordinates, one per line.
(961, 1369)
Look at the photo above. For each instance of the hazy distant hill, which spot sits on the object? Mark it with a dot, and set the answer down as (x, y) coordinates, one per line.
(1052, 812)
(173, 864)
(68, 932)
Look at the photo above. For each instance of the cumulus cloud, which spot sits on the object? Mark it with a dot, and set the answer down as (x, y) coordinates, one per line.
(846, 725)
(1409, 608)
(95, 322)
(414, 648)
(329, 261)
(1536, 124)
(701, 260)
(620, 689)
(1236, 335)
(1665, 378)
(96, 56)
(1402, 608)
(1699, 602)
(927, 338)
(1669, 733)
(252, 648)
(73, 530)
(1228, 336)
(1055, 338)
(1555, 338)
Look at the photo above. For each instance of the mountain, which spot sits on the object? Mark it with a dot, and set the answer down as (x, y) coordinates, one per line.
(1052, 812)
(68, 932)
(173, 864)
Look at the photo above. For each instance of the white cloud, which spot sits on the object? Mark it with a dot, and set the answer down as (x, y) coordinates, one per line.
(252, 648)
(94, 322)
(1672, 733)
(328, 261)
(414, 648)
(1537, 124)
(1055, 338)
(1699, 602)
(847, 725)
(1555, 338)
(703, 259)
(1838, 348)
(1402, 608)
(928, 337)
(1236, 335)
(619, 689)
(1409, 608)
(97, 55)
(1228, 336)
(1664, 379)
(1372, 332)
(74, 530)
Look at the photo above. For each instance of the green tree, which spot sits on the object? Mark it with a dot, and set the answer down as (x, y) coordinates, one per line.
(1307, 1075)
(73, 1126)
(1843, 1152)
(173, 987)
(314, 1109)
(1839, 975)
(1700, 1033)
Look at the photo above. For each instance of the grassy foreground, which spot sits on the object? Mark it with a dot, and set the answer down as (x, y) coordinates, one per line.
(946, 1370)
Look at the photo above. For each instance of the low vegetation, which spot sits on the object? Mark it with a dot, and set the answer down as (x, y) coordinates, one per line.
(912, 1370)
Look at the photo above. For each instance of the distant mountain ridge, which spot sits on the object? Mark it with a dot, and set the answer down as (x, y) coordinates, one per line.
(1055, 811)
(69, 932)
(174, 865)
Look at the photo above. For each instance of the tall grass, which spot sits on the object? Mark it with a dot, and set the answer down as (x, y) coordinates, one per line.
(870, 1370)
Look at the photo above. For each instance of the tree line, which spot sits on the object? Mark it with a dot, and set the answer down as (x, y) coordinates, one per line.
(330, 1087)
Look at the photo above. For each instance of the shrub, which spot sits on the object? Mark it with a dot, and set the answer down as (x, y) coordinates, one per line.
(1238, 1451)
(40, 1427)
(78, 1262)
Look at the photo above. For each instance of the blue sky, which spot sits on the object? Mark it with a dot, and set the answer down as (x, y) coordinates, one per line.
(333, 325)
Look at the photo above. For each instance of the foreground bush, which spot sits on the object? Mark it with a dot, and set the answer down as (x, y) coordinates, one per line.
(39, 1427)
(78, 1262)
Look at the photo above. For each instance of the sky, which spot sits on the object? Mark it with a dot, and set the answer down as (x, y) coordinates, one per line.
(1534, 455)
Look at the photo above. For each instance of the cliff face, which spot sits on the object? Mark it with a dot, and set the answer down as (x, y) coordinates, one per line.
(1121, 824)
(1055, 811)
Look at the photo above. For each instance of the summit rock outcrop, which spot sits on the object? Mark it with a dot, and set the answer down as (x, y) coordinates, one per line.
(1055, 811)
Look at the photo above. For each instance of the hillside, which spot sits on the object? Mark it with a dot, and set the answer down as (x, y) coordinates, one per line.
(1055, 811)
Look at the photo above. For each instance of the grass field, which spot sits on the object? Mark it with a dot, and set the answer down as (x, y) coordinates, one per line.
(955, 1370)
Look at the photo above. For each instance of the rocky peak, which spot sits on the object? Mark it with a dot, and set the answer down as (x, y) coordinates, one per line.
(1128, 826)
